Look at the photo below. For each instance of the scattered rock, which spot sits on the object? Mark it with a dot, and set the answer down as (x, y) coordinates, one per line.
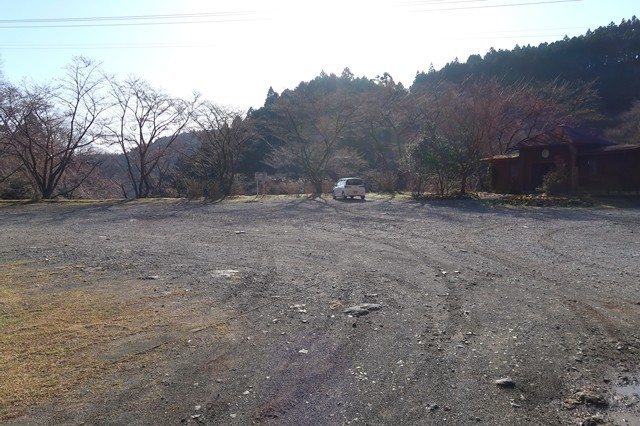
(586, 397)
(594, 421)
(225, 273)
(301, 308)
(505, 382)
(362, 309)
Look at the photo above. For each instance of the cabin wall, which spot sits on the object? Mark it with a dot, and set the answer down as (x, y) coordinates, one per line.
(596, 171)
(612, 171)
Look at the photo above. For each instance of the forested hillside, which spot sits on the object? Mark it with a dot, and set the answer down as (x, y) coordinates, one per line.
(610, 55)
(429, 137)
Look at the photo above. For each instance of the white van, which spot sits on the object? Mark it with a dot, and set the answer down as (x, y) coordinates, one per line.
(349, 187)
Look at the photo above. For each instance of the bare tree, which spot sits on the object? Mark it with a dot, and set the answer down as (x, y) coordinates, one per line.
(145, 122)
(465, 124)
(526, 109)
(431, 161)
(9, 164)
(223, 135)
(48, 126)
(482, 117)
(392, 121)
(387, 121)
(311, 124)
(628, 127)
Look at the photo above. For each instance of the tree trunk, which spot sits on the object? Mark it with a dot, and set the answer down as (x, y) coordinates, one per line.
(463, 184)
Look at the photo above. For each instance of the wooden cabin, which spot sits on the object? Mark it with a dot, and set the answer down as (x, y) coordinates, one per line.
(589, 163)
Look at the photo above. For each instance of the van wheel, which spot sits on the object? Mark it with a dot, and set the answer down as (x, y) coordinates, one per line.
(334, 195)
(362, 197)
(344, 196)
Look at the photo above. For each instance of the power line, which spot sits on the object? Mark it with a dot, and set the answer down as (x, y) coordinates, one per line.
(124, 24)
(483, 6)
(128, 17)
(230, 16)
(236, 16)
(109, 46)
(132, 20)
(121, 21)
(106, 46)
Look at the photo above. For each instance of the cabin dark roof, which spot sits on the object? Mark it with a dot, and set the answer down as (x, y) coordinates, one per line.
(614, 148)
(563, 135)
(501, 157)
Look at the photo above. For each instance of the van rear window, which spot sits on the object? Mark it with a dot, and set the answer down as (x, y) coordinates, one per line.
(356, 182)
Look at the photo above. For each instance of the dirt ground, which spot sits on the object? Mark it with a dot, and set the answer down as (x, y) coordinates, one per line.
(237, 313)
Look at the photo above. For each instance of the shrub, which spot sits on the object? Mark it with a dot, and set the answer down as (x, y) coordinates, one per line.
(15, 189)
(554, 183)
(383, 181)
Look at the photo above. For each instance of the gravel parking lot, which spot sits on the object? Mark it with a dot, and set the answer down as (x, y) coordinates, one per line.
(318, 311)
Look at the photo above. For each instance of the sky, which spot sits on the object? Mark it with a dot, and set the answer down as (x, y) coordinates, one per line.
(233, 51)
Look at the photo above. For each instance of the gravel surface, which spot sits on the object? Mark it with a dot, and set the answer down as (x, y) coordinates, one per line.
(314, 311)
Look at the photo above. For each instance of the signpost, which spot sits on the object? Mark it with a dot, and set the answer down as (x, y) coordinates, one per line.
(261, 177)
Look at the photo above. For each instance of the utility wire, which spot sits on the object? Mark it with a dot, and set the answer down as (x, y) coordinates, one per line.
(447, 3)
(127, 17)
(124, 24)
(233, 16)
(483, 6)
(106, 46)
(209, 45)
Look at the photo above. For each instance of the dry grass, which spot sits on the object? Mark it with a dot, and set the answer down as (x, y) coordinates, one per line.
(232, 199)
(293, 197)
(52, 333)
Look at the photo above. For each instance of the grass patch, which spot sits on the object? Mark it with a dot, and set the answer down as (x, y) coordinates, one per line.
(294, 197)
(93, 201)
(52, 334)
(232, 199)
(543, 201)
